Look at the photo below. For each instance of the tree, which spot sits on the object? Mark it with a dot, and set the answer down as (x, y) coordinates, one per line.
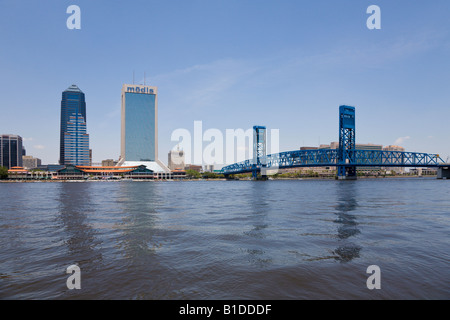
(193, 174)
(3, 173)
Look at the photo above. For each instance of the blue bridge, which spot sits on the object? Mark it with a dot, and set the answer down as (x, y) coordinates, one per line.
(346, 158)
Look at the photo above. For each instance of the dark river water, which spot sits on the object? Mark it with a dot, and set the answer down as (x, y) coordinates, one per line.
(307, 239)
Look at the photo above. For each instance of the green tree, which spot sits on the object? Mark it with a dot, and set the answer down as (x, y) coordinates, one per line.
(3, 173)
(192, 174)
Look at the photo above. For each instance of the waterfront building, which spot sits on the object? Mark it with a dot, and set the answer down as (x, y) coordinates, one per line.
(74, 139)
(29, 162)
(423, 171)
(105, 172)
(11, 150)
(20, 173)
(139, 127)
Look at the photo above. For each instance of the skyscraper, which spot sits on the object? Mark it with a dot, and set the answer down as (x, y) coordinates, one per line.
(11, 150)
(139, 134)
(74, 140)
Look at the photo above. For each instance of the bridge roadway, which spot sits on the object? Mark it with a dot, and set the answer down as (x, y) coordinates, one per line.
(330, 158)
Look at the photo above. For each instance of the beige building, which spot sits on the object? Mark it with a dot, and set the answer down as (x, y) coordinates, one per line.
(176, 160)
(29, 162)
(109, 163)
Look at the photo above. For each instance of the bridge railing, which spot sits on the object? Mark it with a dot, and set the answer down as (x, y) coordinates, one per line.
(394, 158)
(330, 157)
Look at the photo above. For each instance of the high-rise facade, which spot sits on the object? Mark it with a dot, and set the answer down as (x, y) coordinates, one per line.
(139, 127)
(11, 150)
(74, 139)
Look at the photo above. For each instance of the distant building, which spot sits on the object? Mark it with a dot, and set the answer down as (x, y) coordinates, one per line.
(398, 170)
(74, 140)
(193, 167)
(176, 160)
(394, 148)
(423, 171)
(109, 163)
(209, 168)
(11, 151)
(29, 162)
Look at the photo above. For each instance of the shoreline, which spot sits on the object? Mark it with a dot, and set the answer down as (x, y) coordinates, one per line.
(219, 179)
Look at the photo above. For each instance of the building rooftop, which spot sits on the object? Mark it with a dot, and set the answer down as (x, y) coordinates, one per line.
(73, 88)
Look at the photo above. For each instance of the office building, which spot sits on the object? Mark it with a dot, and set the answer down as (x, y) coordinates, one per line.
(176, 160)
(29, 162)
(109, 163)
(139, 127)
(11, 151)
(74, 139)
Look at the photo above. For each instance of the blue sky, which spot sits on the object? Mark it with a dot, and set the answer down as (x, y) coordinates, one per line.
(285, 64)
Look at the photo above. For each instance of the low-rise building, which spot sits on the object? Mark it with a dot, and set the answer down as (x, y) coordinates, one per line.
(29, 162)
(71, 172)
(194, 167)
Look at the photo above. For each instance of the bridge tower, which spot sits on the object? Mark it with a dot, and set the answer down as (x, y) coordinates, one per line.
(259, 151)
(347, 143)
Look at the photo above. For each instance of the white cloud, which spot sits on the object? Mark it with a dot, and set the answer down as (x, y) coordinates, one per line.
(39, 146)
(400, 140)
(201, 86)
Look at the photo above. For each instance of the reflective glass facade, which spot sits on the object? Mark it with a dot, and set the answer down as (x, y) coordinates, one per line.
(74, 140)
(11, 151)
(139, 127)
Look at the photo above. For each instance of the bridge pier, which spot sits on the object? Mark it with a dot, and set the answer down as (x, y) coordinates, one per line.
(347, 173)
(443, 172)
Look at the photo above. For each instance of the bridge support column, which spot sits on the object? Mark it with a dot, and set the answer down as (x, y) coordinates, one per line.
(259, 152)
(347, 143)
(347, 173)
(443, 173)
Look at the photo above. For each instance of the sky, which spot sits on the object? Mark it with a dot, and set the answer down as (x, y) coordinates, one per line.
(284, 64)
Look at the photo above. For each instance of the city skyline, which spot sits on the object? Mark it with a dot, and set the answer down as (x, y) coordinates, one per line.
(285, 65)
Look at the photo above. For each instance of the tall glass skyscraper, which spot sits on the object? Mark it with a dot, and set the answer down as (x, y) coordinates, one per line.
(139, 136)
(11, 151)
(74, 140)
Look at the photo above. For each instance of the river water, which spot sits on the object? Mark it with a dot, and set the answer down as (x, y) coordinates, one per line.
(295, 239)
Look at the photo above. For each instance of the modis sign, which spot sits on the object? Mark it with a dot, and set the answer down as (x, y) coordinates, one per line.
(139, 89)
